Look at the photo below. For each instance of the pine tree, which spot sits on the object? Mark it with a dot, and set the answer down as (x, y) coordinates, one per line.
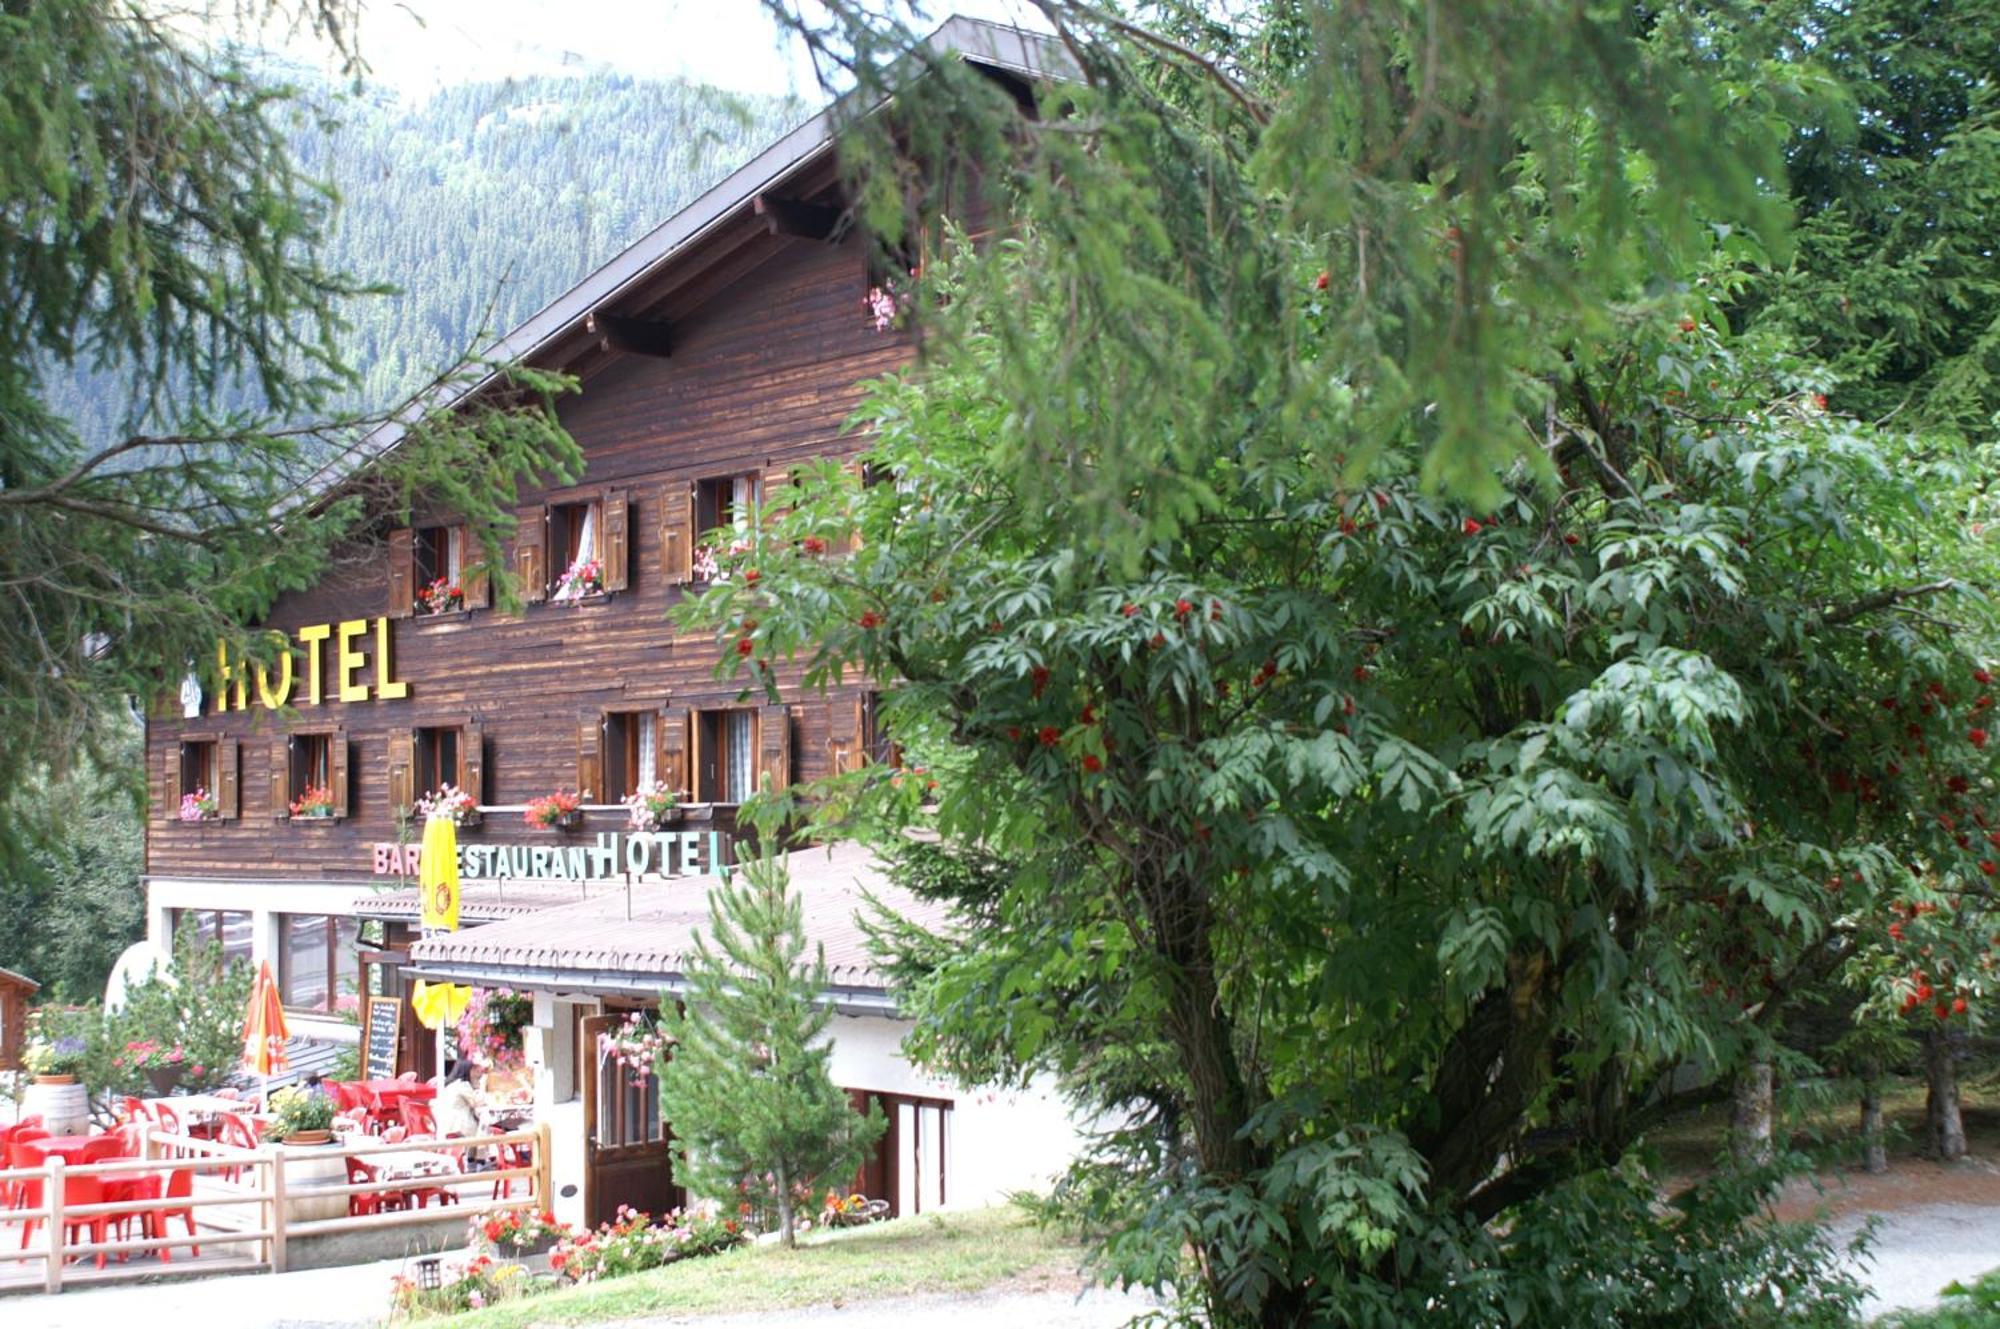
(748, 1091)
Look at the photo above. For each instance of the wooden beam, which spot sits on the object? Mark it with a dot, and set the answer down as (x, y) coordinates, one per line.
(633, 336)
(790, 216)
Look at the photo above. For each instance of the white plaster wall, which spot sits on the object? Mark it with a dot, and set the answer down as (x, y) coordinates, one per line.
(996, 1143)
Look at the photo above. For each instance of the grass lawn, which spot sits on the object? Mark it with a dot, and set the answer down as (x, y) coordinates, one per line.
(949, 1252)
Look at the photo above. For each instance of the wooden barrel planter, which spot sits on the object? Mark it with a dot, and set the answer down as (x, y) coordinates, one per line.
(310, 1168)
(62, 1103)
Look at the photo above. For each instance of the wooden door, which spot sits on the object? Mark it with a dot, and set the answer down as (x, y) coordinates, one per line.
(625, 1144)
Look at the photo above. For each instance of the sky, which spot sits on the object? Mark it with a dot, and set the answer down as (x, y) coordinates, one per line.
(415, 46)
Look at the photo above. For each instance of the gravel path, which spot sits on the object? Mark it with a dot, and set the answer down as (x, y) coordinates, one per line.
(1916, 1252)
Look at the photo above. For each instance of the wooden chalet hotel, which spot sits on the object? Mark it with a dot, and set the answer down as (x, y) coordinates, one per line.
(716, 353)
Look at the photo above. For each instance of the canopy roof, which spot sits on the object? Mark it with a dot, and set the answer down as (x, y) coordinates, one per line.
(641, 942)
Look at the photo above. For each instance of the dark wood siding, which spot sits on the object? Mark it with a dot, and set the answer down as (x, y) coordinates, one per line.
(764, 371)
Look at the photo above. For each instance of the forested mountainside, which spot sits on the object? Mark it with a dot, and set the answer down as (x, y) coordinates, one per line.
(485, 201)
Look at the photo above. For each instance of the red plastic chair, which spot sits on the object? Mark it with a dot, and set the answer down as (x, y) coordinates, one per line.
(512, 1156)
(369, 1202)
(27, 1192)
(235, 1131)
(419, 1118)
(180, 1185)
(102, 1149)
(76, 1191)
(132, 1109)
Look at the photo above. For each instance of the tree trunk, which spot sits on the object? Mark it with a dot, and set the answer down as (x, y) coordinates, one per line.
(1941, 1113)
(1874, 1151)
(1750, 1121)
(785, 1215)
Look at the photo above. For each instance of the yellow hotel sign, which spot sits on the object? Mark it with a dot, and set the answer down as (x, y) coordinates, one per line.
(352, 661)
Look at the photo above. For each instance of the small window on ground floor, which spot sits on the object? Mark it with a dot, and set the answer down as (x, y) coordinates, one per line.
(910, 1164)
(228, 928)
(318, 969)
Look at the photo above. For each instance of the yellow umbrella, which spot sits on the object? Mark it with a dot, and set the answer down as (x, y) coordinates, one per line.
(264, 1027)
(439, 1004)
(437, 875)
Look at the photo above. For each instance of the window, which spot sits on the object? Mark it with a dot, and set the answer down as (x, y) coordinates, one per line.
(227, 928)
(199, 779)
(429, 573)
(631, 753)
(723, 505)
(725, 769)
(575, 530)
(309, 774)
(437, 760)
(198, 765)
(317, 966)
(909, 1165)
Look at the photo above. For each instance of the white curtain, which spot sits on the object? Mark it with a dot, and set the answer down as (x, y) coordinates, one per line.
(454, 554)
(742, 497)
(586, 540)
(649, 749)
(741, 755)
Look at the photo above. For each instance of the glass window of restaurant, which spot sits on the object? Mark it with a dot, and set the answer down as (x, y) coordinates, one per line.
(318, 968)
(227, 928)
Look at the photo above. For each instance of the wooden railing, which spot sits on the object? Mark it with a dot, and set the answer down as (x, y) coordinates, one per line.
(252, 1183)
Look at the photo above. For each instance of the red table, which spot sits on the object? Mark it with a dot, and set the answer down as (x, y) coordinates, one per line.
(70, 1147)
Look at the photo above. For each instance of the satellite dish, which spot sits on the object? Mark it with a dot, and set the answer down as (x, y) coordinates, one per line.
(134, 964)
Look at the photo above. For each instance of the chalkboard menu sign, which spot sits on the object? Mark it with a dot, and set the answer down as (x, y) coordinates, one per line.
(378, 1038)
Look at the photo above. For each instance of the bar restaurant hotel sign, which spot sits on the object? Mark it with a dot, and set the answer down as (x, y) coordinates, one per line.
(615, 856)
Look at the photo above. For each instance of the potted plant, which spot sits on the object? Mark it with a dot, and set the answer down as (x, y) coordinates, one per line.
(314, 804)
(562, 808)
(163, 1067)
(581, 578)
(442, 596)
(56, 1060)
(449, 802)
(301, 1118)
(200, 805)
(652, 807)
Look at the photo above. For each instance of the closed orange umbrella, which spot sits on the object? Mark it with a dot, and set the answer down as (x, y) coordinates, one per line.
(264, 1028)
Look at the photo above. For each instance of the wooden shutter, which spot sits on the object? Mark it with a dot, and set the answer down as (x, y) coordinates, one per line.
(228, 790)
(281, 776)
(472, 760)
(774, 478)
(670, 753)
(676, 532)
(774, 747)
(844, 751)
(590, 756)
(612, 540)
(402, 573)
(531, 542)
(336, 769)
(402, 770)
(472, 577)
(170, 785)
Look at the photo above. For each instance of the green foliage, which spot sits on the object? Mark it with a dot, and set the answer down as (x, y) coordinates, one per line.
(754, 1109)
(195, 1009)
(73, 900)
(1374, 853)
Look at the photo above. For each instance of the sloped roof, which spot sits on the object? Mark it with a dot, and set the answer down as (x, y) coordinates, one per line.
(10, 979)
(999, 46)
(645, 945)
(485, 903)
